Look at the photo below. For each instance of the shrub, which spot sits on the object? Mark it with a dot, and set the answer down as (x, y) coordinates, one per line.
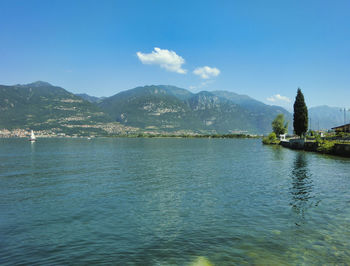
(326, 146)
(340, 135)
(270, 139)
(272, 136)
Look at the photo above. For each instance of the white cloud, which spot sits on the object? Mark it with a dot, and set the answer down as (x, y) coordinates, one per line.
(166, 59)
(278, 98)
(206, 72)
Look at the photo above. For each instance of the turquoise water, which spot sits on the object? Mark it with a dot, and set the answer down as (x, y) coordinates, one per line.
(171, 202)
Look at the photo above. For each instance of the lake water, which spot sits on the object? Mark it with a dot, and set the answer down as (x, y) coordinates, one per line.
(171, 202)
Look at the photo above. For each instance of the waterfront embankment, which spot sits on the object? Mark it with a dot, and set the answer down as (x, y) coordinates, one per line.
(327, 147)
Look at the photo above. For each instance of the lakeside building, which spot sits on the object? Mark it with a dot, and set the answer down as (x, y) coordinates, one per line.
(343, 128)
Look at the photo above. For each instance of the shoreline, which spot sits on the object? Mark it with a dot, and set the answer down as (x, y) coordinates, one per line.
(327, 147)
(142, 135)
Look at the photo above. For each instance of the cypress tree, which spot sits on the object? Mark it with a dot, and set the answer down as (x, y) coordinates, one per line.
(300, 117)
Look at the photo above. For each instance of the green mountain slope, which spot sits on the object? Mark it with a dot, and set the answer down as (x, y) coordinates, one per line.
(149, 107)
(168, 108)
(40, 105)
(220, 115)
(263, 113)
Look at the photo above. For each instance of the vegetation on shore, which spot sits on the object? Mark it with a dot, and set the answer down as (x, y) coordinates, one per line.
(271, 139)
(300, 121)
(279, 127)
(214, 136)
(326, 144)
(313, 140)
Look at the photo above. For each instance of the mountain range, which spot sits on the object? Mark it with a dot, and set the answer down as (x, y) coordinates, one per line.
(325, 117)
(168, 108)
(42, 106)
(154, 108)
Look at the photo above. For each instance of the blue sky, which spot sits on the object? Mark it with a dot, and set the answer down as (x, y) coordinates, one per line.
(265, 49)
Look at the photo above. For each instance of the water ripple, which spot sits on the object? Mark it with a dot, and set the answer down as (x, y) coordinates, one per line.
(171, 202)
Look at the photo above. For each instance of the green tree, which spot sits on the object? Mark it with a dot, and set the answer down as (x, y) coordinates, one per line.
(300, 117)
(279, 126)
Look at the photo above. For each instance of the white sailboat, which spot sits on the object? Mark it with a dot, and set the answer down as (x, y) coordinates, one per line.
(32, 137)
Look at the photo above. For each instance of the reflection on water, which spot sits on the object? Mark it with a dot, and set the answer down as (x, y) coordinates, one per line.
(302, 185)
(278, 152)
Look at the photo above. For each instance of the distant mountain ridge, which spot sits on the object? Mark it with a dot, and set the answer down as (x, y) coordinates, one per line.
(169, 108)
(42, 106)
(153, 108)
(325, 117)
(89, 98)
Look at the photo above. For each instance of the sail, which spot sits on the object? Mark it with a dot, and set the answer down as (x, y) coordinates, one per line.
(32, 136)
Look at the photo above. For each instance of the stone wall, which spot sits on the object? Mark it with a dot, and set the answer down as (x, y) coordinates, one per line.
(310, 146)
(296, 144)
(339, 149)
(342, 150)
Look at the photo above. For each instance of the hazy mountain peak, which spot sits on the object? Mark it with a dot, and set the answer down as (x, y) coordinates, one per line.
(89, 98)
(326, 117)
(237, 98)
